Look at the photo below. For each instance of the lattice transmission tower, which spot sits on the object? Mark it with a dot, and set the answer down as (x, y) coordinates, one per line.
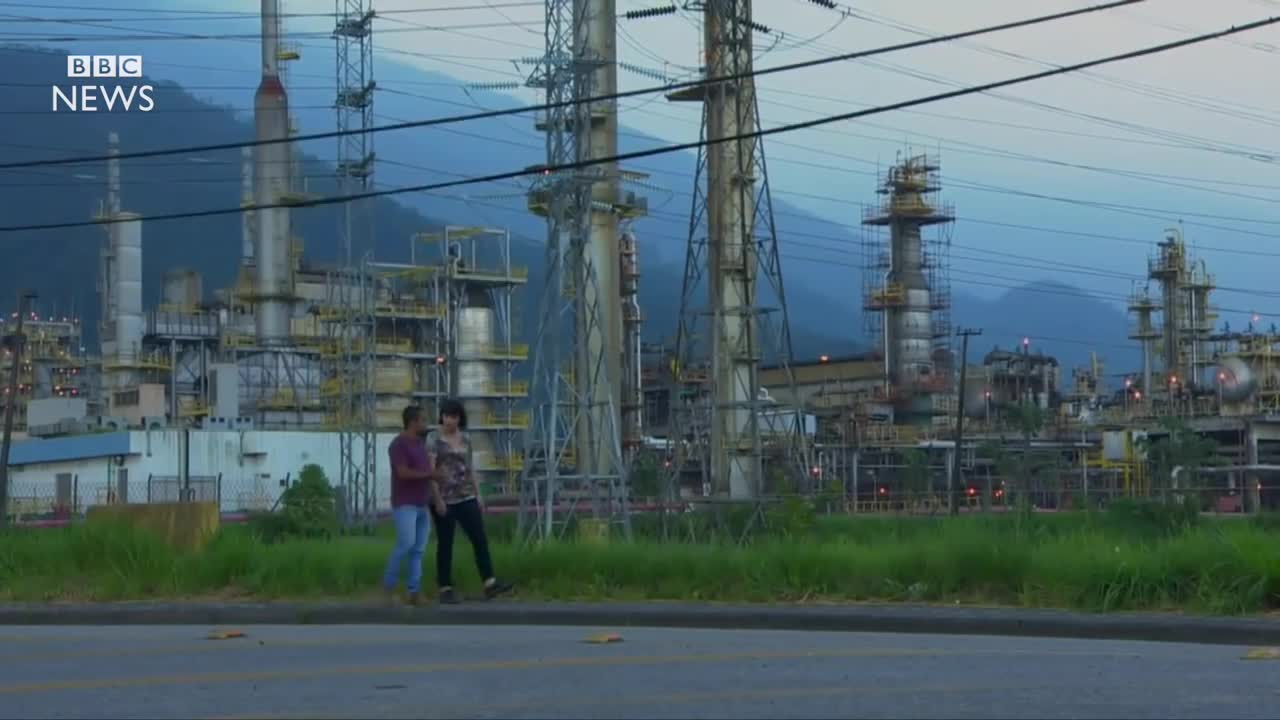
(724, 425)
(350, 302)
(573, 451)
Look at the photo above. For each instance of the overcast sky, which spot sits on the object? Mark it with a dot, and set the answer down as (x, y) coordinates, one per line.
(1192, 115)
(1184, 135)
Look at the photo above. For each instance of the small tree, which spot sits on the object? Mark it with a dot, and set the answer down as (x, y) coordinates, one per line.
(1003, 464)
(310, 505)
(915, 473)
(645, 480)
(1180, 447)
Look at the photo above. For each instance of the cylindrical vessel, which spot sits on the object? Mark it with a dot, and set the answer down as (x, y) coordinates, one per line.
(475, 378)
(273, 264)
(248, 220)
(393, 377)
(632, 389)
(183, 288)
(1236, 380)
(975, 397)
(129, 323)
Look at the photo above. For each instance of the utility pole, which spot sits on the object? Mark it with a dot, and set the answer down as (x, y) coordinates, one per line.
(737, 265)
(954, 495)
(11, 399)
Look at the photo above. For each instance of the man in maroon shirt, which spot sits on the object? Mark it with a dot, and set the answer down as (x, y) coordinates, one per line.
(412, 487)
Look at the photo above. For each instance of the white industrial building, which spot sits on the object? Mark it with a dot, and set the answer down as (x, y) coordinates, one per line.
(242, 470)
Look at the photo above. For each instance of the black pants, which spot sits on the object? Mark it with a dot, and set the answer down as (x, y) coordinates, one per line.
(471, 518)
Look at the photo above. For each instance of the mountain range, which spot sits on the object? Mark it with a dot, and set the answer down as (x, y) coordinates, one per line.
(820, 256)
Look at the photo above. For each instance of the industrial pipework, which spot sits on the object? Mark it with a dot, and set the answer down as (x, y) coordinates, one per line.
(248, 219)
(273, 281)
(906, 293)
(127, 287)
(632, 390)
(123, 323)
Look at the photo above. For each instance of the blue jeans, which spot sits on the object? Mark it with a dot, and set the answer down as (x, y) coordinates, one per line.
(412, 523)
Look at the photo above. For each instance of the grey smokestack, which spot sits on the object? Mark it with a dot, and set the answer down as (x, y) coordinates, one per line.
(274, 272)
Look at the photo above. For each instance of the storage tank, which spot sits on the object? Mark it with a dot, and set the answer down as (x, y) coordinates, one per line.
(975, 397)
(475, 378)
(1236, 380)
(183, 288)
(393, 377)
(129, 325)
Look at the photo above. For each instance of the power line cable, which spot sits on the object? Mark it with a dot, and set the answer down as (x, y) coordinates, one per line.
(1211, 104)
(247, 15)
(1139, 210)
(547, 170)
(1097, 295)
(1185, 140)
(677, 86)
(35, 37)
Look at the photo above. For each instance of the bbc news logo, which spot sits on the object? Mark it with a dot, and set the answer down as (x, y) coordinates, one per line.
(104, 94)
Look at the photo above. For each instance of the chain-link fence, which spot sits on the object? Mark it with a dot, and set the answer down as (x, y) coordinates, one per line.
(64, 496)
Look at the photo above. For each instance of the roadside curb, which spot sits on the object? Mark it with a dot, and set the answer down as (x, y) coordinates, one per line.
(852, 618)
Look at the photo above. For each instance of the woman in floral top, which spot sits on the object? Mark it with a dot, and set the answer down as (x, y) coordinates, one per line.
(450, 452)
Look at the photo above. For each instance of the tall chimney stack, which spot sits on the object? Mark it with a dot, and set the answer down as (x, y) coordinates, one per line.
(273, 281)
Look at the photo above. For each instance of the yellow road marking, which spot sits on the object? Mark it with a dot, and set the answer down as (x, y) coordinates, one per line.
(264, 675)
(621, 660)
(416, 709)
(196, 646)
(109, 648)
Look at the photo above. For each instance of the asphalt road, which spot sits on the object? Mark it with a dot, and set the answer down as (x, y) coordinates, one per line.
(550, 672)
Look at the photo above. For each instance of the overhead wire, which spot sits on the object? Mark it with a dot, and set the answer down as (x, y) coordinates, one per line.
(1058, 291)
(844, 243)
(1210, 104)
(1138, 210)
(1190, 141)
(1111, 206)
(416, 27)
(994, 152)
(249, 15)
(753, 73)
(546, 170)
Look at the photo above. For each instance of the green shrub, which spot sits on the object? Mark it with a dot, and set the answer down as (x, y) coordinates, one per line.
(1066, 560)
(308, 509)
(1153, 517)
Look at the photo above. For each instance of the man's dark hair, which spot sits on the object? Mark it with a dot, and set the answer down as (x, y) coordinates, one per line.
(410, 414)
(451, 406)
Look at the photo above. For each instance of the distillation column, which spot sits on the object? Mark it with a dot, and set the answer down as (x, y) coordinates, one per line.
(906, 296)
(273, 285)
(248, 219)
(106, 269)
(731, 252)
(596, 32)
(1146, 333)
(123, 325)
(632, 386)
(129, 323)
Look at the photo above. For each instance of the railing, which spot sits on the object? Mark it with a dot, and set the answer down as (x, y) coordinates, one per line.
(515, 387)
(508, 420)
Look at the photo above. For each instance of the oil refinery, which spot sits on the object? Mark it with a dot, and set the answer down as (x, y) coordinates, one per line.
(224, 395)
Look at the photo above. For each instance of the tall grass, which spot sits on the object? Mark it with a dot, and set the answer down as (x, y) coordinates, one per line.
(1129, 558)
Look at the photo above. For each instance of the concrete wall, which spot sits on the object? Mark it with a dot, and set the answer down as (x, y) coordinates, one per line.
(252, 465)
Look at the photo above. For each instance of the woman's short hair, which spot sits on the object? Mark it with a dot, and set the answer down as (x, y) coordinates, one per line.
(452, 406)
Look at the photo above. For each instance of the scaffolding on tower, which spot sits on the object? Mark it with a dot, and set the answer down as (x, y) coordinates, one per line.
(726, 426)
(354, 335)
(573, 451)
